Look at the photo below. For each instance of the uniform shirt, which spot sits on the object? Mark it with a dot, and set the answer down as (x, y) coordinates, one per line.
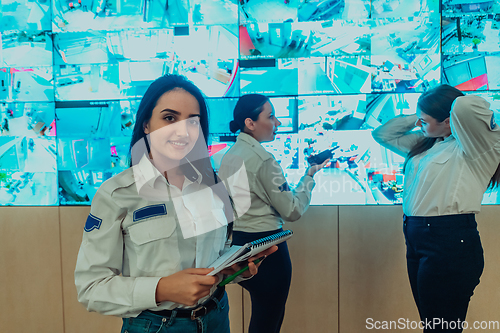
(141, 228)
(452, 176)
(267, 200)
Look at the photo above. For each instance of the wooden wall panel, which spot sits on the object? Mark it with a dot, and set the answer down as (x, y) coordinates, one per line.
(77, 318)
(372, 263)
(485, 302)
(247, 310)
(362, 276)
(373, 282)
(30, 279)
(312, 303)
(235, 296)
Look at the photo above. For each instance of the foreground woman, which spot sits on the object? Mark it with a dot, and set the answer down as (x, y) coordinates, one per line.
(154, 228)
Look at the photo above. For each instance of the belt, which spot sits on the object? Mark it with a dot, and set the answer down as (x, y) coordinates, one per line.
(198, 311)
(446, 221)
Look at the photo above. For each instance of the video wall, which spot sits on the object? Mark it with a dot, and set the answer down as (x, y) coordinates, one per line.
(72, 74)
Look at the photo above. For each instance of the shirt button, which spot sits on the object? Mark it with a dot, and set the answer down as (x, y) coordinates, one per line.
(428, 224)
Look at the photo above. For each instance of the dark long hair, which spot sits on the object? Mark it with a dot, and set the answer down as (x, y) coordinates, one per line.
(198, 156)
(436, 103)
(248, 106)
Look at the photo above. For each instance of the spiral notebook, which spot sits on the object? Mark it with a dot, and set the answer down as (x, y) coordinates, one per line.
(240, 253)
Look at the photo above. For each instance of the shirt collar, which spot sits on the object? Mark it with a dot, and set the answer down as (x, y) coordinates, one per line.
(145, 173)
(249, 139)
(196, 176)
(448, 138)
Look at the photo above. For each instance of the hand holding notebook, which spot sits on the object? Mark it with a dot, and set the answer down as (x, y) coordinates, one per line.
(240, 253)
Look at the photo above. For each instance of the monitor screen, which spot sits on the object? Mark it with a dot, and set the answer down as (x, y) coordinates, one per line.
(72, 75)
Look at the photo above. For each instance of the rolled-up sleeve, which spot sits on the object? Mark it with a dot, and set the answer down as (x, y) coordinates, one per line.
(289, 204)
(397, 134)
(98, 279)
(473, 125)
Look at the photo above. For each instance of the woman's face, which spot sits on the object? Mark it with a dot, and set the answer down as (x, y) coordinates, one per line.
(266, 125)
(431, 127)
(174, 126)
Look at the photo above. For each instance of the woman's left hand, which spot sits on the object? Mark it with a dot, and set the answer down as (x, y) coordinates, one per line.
(252, 268)
(311, 171)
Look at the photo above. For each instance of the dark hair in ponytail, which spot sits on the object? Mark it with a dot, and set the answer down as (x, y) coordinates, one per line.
(248, 106)
(436, 103)
(234, 127)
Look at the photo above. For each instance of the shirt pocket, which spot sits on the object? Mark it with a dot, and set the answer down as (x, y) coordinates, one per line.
(440, 158)
(155, 245)
(433, 164)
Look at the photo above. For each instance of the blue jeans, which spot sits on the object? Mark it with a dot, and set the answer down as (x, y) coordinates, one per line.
(216, 321)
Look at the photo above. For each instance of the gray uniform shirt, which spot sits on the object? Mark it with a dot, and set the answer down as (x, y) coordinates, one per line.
(271, 201)
(141, 228)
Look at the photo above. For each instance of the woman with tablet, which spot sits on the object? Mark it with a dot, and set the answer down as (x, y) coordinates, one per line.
(271, 202)
(449, 165)
(154, 229)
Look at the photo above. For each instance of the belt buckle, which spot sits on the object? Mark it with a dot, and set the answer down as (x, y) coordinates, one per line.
(194, 313)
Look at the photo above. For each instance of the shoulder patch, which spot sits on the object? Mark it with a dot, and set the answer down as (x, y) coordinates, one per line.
(150, 211)
(284, 187)
(93, 222)
(492, 122)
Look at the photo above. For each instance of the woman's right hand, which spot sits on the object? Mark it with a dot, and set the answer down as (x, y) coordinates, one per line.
(185, 287)
(316, 167)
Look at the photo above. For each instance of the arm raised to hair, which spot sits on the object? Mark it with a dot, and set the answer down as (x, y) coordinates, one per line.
(397, 134)
(473, 126)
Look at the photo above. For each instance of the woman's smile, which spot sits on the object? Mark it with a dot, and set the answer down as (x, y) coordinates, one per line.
(174, 126)
(178, 144)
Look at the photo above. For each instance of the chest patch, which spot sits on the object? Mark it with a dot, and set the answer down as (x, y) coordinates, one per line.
(150, 211)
